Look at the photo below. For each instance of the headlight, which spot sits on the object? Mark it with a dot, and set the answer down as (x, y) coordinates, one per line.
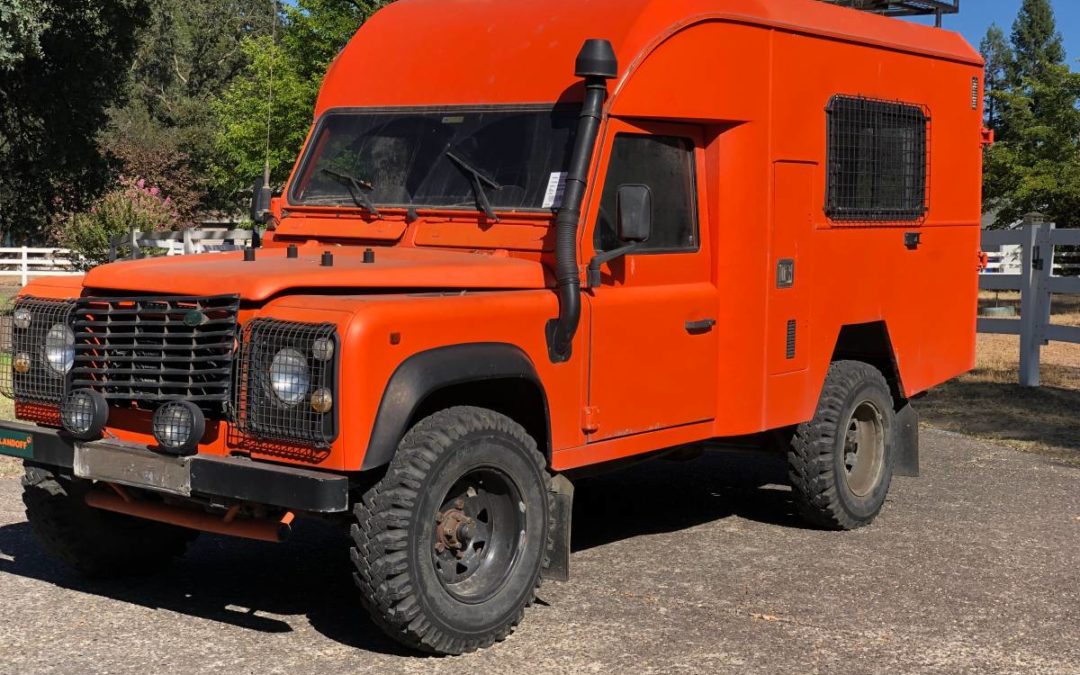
(290, 377)
(22, 317)
(60, 348)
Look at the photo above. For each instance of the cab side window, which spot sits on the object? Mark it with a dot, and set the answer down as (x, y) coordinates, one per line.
(666, 165)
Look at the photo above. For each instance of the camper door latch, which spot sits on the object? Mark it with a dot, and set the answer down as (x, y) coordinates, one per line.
(912, 240)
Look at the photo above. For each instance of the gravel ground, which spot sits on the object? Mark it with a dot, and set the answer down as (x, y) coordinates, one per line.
(699, 568)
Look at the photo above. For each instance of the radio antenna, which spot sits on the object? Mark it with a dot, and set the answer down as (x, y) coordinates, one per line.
(270, 96)
(266, 192)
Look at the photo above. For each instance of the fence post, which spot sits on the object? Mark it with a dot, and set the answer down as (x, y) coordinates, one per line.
(25, 267)
(1045, 239)
(133, 240)
(1030, 306)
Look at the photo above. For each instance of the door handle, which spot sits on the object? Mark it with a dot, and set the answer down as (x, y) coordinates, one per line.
(703, 326)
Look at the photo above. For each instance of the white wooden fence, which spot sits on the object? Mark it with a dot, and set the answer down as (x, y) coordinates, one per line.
(25, 262)
(1043, 271)
(185, 242)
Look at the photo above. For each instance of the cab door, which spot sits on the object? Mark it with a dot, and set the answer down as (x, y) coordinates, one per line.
(653, 337)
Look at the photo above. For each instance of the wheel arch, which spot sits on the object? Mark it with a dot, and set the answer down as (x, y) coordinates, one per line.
(870, 343)
(492, 375)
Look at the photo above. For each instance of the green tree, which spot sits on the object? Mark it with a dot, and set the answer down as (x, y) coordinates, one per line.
(996, 52)
(1037, 168)
(1035, 165)
(21, 24)
(311, 34)
(190, 51)
(242, 113)
(66, 65)
(1036, 42)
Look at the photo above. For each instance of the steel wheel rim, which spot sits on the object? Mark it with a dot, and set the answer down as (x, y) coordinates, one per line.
(864, 449)
(478, 535)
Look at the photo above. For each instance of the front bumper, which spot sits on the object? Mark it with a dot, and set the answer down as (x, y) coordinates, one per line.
(230, 478)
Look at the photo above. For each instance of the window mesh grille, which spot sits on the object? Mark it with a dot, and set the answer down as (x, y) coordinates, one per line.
(878, 160)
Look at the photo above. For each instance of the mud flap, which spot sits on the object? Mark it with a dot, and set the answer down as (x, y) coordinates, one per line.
(906, 442)
(562, 495)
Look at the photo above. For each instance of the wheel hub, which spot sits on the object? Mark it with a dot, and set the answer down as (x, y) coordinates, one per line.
(455, 530)
(478, 534)
(864, 449)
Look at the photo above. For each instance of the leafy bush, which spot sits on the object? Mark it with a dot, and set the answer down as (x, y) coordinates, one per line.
(132, 206)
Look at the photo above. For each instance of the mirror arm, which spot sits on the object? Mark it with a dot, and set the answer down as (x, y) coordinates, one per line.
(592, 279)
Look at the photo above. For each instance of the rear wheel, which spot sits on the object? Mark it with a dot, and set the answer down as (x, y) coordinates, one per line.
(96, 543)
(841, 462)
(449, 546)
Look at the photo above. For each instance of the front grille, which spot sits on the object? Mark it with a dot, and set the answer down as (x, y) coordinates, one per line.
(40, 384)
(154, 349)
(284, 352)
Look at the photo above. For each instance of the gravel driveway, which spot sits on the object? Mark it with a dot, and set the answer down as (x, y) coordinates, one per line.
(697, 567)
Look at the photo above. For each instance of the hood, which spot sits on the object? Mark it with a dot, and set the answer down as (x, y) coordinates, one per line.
(272, 272)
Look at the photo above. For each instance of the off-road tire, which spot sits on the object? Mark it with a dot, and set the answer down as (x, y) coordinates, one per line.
(816, 457)
(394, 532)
(95, 543)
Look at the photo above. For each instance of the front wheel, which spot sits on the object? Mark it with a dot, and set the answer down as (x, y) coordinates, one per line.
(841, 462)
(95, 543)
(449, 545)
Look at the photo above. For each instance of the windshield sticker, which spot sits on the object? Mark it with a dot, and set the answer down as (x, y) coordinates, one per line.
(453, 120)
(556, 187)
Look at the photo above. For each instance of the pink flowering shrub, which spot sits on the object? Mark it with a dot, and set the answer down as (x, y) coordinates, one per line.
(132, 205)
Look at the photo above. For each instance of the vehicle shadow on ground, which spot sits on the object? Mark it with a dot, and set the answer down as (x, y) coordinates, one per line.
(250, 584)
(1006, 411)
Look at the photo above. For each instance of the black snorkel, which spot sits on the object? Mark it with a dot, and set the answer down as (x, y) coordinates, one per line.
(597, 64)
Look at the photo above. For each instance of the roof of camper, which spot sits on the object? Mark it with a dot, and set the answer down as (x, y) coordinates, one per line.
(450, 52)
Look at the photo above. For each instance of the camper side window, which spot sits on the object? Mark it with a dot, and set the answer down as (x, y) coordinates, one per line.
(666, 165)
(877, 160)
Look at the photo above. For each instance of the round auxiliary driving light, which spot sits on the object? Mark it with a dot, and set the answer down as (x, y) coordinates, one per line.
(21, 363)
(178, 427)
(22, 318)
(322, 401)
(84, 414)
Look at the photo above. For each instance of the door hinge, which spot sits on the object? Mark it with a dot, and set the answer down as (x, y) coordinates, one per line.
(589, 423)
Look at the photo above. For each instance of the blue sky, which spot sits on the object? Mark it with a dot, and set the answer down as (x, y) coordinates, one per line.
(976, 16)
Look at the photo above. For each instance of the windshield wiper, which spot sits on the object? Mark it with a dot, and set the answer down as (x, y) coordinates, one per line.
(478, 180)
(358, 190)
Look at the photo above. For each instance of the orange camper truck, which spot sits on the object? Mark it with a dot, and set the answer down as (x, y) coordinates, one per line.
(525, 239)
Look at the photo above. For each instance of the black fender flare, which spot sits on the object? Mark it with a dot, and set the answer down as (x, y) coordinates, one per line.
(426, 372)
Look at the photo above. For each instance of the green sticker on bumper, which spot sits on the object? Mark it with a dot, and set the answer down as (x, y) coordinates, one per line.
(16, 443)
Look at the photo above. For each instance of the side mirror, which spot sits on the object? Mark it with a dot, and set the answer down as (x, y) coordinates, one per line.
(633, 224)
(634, 213)
(261, 194)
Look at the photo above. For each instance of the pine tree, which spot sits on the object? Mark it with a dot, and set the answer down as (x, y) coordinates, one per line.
(999, 57)
(1035, 166)
(1036, 41)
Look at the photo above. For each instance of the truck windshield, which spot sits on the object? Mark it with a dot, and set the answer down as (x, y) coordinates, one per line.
(413, 158)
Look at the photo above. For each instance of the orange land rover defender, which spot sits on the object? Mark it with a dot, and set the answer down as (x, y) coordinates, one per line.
(735, 221)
